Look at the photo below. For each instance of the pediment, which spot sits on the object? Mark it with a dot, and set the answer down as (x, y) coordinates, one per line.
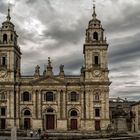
(48, 80)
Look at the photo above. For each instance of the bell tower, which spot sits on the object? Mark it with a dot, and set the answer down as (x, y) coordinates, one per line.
(95, 51)
(10, 55)
(96, 74)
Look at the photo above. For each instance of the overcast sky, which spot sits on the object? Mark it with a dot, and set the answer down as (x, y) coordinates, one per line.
(56, 29)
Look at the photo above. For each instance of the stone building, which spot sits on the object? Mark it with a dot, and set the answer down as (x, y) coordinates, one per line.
(55, 102)
(135, 108)
(120, 114)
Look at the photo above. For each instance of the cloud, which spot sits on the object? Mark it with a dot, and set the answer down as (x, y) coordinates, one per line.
(56, 29)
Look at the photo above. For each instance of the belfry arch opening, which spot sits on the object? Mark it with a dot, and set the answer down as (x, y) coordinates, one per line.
(5, 38)
(95, 35)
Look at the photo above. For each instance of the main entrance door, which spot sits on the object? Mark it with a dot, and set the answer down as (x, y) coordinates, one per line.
(97, 125)
(2, 123)
(27, 123)
(49, 122)
(73, 124)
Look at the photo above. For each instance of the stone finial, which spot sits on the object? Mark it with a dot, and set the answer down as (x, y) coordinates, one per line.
(94, 13)
(82, 70)
(44, 73)
(49, 62)
(49, 68)
(8, 16)
(61, 73)
(37, 71)
(82, 74)
(61, 68)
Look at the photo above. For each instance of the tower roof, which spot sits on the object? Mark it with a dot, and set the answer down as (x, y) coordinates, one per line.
(8, 24)
(94, 20)
(8, 16)
(94, 13)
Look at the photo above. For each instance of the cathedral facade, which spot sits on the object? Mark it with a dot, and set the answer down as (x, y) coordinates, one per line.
(55, 102)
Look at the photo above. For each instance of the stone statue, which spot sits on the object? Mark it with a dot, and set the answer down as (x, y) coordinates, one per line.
(61, 68)
(37, 70)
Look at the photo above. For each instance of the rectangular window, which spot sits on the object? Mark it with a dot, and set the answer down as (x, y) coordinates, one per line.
(2, 123)
(3, 111)
(3, 61)
(96, 59)
(74, 97)
(50, 96)
(97, 112)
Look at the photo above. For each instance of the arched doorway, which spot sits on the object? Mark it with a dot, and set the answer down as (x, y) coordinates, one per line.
(27, 119)
(73, 120)
(50, 118)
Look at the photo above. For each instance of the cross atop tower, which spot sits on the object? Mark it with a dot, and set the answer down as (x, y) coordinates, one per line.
(94, 13)
(8, 16)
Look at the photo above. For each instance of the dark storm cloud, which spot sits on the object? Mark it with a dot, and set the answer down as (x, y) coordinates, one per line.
(126, 51)
(132, 90)
(3, 7)
(127, 76)
(129, 19)
(63, 31)
(63, 35)
(31, 1)
(72, 62)
(123, 68)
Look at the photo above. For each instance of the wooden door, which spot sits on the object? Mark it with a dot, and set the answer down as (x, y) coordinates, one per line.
(73, 124)
(27, 123)
(49, 122)
(97, 125)
(2, 123)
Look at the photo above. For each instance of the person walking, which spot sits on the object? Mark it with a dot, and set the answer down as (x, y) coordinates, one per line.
(39, 131)
(31, 133)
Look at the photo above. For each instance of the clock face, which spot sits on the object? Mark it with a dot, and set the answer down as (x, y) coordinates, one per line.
(96, 72)
(3, 73)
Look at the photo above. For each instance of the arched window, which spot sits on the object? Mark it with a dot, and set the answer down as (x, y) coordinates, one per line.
(26, 96)
(49, 110)
(73, 113)
(97, 112)
(27, 113)
(74, 96)
(95, 35)
(49, 96)
(5, 38)
(96, 60)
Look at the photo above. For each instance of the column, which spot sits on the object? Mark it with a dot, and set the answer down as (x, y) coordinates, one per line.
(39, 105)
